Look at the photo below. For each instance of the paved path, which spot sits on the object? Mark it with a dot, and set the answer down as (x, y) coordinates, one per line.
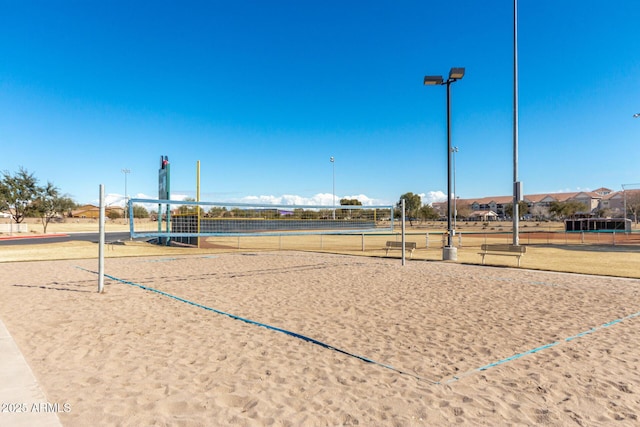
(19, 390)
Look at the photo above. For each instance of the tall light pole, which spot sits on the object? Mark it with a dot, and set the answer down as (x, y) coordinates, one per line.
(125, 172)
(333, 167)
(454, 150)
(449, 252)
(624, 190)
(517, 185)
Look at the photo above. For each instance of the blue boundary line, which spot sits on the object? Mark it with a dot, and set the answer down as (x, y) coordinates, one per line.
(270, 327)
(178, 259)
(537, 349)
(366, 359)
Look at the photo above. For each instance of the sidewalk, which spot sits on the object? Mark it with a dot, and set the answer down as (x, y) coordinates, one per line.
(23, 403)
(33, 236)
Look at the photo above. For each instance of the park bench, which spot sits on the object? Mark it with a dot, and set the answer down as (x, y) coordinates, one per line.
(503, 249)
(409, 246)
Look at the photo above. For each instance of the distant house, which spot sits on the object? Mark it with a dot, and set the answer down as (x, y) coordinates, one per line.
(91, 211)
(615, 202)
(494, 205)
(597, 200)
(590, 199)
(483, 216)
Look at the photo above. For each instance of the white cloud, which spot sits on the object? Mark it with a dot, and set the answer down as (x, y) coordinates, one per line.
(111, 199)
(366, 201)
(569, 190)
(289, 199)
(433, 196)
(320, 199)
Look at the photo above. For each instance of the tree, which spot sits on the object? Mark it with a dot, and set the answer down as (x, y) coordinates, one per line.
(464, 210)
(412, 204)
(44, 204)
(427, 212)
(49, 204)
(18, 192)
(523, 208)
(540, 212)
(568, 209)
(186, 209)
(140, 211)
(66, 205)
(216, 212)
(190, 209)
(352, 213)
(633, 205)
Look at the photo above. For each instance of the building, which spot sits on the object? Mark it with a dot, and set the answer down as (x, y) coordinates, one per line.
(601, 202)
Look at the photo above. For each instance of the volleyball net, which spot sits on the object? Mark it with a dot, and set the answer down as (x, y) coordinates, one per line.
(185, 219)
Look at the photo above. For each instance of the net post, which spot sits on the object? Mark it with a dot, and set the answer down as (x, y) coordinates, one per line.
(168, 227)
(403, 236)
(131, 219)
(197, 200)
(159, 219)
(101, 242)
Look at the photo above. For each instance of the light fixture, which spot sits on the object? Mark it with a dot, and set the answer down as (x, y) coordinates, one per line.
(456, 73)
(449, 252)
(433, 80)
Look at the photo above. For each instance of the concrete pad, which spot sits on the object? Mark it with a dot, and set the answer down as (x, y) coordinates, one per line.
(23, 403)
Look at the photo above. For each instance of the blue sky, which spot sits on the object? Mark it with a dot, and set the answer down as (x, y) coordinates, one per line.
(263, 93)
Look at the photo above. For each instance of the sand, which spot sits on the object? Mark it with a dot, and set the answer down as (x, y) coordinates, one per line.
(451, 344)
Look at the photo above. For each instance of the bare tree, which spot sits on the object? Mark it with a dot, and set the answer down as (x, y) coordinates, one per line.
(633, 205)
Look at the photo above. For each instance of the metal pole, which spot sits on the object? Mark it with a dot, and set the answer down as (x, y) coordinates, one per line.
(449, 252)
(333, 167)
(168, 225)
(515, 210)
(624, 193)
(403, 237)
(197, 200)
(455, 194)
(101, 242)
(125, 172)
(449, 230)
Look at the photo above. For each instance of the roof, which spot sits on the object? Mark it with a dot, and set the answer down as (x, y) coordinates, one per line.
(92, 208)
(598, 194)
(488, 200)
